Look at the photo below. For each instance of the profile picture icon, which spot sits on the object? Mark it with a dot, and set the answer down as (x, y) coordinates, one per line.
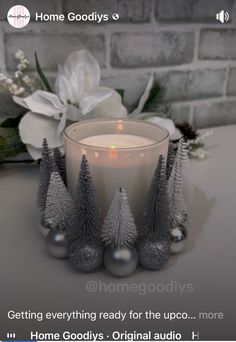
(18, 16)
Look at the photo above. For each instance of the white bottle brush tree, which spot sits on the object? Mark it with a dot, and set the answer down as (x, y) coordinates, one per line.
(48, 157)
(179, 189)
(119, 228)
(59, 211)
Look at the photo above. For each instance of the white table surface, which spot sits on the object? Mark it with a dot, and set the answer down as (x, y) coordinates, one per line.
(32, 280)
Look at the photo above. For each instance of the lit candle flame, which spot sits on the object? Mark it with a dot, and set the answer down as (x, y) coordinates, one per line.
(113, 152)
(120, 126)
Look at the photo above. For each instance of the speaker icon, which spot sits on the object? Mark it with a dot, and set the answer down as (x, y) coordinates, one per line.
(222, 16)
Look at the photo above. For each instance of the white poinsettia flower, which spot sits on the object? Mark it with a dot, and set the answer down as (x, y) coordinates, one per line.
(160, 121)
(77, 96)
(34, 128)
(109, 108)
(168, 124)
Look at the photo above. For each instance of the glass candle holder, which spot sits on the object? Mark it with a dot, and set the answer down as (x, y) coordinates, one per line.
(121, 153)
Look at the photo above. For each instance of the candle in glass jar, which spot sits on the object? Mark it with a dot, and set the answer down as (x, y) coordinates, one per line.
(120, 154)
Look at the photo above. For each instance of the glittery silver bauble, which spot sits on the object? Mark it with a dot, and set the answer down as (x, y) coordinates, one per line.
(57, 243)
(178, 239)
(153, 251)
(121, 261)
(86, 256)
(43, 229)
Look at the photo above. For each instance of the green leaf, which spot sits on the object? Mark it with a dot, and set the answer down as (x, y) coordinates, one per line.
(12, 122)
(10, 143)
(42, 76)
(155, 98)
(121, 92)
(193, 146)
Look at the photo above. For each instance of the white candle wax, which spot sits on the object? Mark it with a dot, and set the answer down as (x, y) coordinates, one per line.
(117, 141)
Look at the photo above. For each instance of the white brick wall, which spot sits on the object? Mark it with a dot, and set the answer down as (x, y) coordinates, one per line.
(179, 41)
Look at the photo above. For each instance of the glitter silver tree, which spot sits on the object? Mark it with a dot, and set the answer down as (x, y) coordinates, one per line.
(178, 186)
(156, 218)
(170, 159)
(59, 211)
(44, 177)
(119, 228)
(86, 223)
(60, 162)
(183, 155)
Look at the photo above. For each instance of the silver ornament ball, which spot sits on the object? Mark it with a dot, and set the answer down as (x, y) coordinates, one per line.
(57, 243)
(121, 261)
(153, 251)
(86, 256)
(178, 239)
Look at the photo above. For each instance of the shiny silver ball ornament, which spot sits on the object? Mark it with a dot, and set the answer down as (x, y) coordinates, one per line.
(178, 239)
(86, 256)
(57, 243)
(121, 261)
(153, 251)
